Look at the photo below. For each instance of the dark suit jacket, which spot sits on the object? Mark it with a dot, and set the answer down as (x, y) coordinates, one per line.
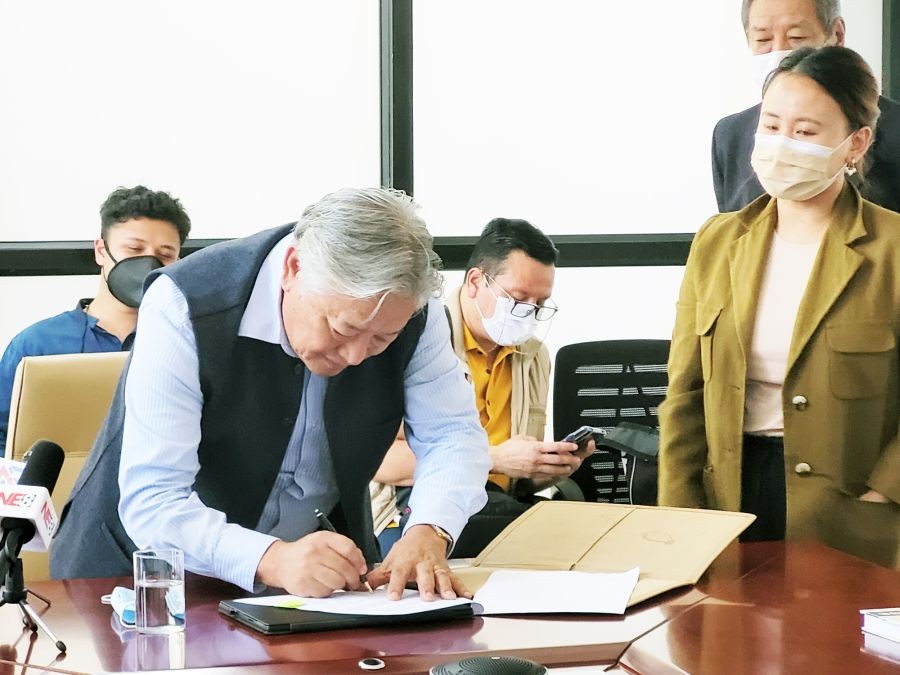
(735, 181)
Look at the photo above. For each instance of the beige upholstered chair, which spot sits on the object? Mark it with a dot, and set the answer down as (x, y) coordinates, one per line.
(63, 399)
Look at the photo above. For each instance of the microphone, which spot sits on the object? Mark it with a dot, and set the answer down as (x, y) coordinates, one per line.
(25, 508)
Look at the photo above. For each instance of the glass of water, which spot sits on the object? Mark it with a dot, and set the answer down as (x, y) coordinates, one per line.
(159, 590)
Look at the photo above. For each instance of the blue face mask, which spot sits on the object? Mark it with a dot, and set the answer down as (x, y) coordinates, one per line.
(122, 601)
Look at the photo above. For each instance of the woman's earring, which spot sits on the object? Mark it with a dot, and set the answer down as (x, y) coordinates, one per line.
(851, 167)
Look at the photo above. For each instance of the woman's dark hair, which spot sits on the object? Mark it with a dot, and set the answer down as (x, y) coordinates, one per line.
(502, 236)
(844, 75)
(141, 202)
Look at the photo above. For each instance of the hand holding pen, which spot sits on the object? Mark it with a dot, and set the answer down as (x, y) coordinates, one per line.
(313, 566)
(325, 524)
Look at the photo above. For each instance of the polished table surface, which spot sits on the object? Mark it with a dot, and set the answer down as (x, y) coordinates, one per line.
(765, 607)
(212, 640)
(796, 613)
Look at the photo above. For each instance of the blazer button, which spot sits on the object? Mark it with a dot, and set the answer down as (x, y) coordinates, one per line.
(802, 469)
(799, 402)
(287, 422)
(299, 369)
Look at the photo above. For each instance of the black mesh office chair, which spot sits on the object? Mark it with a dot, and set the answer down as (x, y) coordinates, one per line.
(601, 384)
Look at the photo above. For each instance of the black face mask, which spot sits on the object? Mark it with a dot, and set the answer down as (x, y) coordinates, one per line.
(126, 279)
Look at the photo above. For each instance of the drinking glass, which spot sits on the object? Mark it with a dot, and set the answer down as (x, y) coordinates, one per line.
(159, 590)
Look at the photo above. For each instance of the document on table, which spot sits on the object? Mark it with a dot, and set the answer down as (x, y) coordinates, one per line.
(552, 592)
(505, 592)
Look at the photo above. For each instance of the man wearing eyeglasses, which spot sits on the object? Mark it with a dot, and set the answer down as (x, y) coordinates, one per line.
(496, 317)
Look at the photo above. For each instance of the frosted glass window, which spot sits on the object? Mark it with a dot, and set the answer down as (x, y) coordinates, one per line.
(583, 117)
(247, 111)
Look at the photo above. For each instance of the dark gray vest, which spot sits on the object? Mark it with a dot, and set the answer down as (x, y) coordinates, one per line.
(251, 395)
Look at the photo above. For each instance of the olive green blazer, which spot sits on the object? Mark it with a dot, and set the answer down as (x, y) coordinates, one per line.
(840, 395)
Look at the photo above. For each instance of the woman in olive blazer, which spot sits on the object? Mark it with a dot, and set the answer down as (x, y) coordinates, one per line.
(840, 392)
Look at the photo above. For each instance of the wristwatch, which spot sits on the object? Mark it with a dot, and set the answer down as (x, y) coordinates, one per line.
(443, 534)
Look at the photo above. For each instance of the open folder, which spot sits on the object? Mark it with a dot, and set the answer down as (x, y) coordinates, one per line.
(672, 547)
(505, 592)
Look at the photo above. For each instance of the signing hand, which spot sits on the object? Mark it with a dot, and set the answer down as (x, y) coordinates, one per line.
(421, 557)
(314, 566)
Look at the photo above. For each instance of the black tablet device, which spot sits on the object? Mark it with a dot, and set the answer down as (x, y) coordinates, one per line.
(281, 621)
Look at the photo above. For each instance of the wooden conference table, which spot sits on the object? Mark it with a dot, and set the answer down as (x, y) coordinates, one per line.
(760, 608)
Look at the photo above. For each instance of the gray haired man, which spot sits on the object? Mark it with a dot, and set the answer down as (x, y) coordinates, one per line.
(774, 28)
(268, 379)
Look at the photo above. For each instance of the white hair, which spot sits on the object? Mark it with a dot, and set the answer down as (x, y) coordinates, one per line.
(827, 11)
(365, 243)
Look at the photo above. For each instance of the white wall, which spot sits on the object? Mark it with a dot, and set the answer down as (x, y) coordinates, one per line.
(582, 117)
(247, 111)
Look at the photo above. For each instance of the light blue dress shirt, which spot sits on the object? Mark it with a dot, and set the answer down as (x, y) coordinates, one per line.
(163, 407)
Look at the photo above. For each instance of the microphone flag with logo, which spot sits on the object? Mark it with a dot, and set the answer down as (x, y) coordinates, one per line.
(25, 508)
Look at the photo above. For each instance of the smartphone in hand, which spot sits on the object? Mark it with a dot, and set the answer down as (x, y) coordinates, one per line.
(580, 436)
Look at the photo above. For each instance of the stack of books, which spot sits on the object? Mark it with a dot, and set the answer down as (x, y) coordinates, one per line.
(881, 632)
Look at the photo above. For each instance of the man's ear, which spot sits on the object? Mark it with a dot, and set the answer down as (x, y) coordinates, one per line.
(473, 277)
(838, 33)
(290, 272)
(99, 251)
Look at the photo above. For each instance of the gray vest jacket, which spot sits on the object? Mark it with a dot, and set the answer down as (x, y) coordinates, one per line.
(251, 391)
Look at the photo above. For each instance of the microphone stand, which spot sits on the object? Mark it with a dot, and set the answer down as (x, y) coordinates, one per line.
(14, 590)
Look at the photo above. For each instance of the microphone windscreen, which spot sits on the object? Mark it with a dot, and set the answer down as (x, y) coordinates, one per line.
(43, 465)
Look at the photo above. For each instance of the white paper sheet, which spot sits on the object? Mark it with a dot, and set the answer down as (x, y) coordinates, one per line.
(505, 592)
(550, 592)
(371, 604)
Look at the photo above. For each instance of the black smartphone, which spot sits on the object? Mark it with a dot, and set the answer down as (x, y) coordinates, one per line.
(580, 435)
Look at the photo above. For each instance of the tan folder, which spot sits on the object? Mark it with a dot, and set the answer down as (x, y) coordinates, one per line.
(672, 547)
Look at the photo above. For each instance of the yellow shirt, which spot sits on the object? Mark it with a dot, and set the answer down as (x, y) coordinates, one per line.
(493, 394)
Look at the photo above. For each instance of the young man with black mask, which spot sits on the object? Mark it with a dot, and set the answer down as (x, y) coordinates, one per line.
(140, 230)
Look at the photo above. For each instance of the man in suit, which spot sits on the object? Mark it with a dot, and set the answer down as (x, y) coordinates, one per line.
(774, 28)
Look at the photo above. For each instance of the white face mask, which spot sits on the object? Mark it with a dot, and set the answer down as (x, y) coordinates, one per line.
(763, 64)
(796, 170)
(503, 328)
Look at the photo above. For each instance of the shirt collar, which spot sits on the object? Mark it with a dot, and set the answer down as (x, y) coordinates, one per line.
(262, 316)
(469, 341)
(82, 306)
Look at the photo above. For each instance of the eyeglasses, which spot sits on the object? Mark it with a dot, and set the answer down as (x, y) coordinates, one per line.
(523, 310)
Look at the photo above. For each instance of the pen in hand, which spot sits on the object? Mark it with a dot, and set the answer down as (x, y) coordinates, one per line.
(325, 524)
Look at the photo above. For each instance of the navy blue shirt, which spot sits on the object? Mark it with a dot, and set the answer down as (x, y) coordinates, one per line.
(72, 332)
